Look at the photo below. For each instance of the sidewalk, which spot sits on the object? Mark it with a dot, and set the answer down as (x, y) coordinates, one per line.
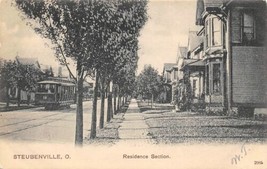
(134, 129)
(13, 107)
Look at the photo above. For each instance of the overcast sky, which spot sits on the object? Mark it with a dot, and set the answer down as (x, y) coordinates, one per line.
(168, 25)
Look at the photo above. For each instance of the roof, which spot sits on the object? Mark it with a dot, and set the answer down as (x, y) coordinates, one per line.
(168, 66)
(203, 4)
(188, 61)
(193, 40)
(87, 84)
(197, 63)
(56, 82)
(27, 61)
(214, 3)
(182, 52)
(193, 63)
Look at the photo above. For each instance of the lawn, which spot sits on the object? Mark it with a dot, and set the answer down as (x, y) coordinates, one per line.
(166, 126)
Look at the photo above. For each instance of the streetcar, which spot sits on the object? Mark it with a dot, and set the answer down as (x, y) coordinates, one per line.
(54, 93)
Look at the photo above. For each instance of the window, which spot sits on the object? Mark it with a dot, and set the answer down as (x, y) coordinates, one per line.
(216, 32)
(207, 80)
(207, 34)
(213, 32)
(247, 27)
(243, 27)
(194, 87)
(216, 78)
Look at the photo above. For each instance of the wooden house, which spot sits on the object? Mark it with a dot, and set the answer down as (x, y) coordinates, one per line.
(234, 54)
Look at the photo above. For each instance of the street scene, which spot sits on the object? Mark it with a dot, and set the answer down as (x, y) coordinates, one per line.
(97, 81)
(144, 75)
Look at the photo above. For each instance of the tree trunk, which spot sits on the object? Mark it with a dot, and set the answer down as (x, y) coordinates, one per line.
(109, 113)
(115, 97)
(109, 109)
(152, 100)
(118, 95)
(118, 105)
(7, 97)
(79, 112)
(18, 99)
(102, 113)
(93, 123)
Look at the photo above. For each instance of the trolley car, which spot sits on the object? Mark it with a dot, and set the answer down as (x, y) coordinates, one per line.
(55, 92)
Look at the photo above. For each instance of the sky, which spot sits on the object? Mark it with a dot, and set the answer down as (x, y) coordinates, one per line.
(168, 25)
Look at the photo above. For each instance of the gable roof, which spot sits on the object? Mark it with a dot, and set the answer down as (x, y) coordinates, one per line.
(182, 51)
(194, 40)
(28, 61)
(203, 4)
(168, 66)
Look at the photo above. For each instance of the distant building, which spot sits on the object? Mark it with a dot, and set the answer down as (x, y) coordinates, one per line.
(170, 71)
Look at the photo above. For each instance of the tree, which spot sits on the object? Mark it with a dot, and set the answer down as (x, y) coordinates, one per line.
(22, 77)
(27, 77)
(8, 77)
(149, 83)
(89, 32)
(70, 26)
(120, 31)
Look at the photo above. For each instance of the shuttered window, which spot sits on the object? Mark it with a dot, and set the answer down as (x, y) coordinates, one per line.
(243, 26)
(236, 26)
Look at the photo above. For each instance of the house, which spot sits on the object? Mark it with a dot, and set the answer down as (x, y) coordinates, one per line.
(25, 96)
(234, 54)
(181, 55)
(170, 71)
(193, 65)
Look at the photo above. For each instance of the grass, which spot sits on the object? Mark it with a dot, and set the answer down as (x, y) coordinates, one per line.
(168, 127)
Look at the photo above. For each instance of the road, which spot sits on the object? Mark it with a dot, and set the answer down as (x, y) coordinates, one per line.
(39, 125)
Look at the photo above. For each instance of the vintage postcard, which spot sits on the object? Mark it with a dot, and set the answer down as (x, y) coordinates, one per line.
(164, 84)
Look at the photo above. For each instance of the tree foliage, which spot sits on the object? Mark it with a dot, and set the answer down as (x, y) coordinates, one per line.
(20, 76)
(149, 82)
(100, 36)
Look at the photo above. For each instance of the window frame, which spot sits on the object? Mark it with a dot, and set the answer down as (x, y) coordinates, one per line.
(209, 78)
(216, 31)
(219, 78)
(237, 26)
(242, 27)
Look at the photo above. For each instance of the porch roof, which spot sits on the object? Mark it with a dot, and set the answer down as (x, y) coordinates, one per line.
(193, 63)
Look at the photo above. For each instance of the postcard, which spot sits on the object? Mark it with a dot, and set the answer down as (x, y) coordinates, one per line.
(162, 84)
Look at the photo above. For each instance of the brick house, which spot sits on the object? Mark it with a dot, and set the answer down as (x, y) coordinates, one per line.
(234, 33)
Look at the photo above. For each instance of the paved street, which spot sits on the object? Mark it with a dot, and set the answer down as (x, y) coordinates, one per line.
(37, 124)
